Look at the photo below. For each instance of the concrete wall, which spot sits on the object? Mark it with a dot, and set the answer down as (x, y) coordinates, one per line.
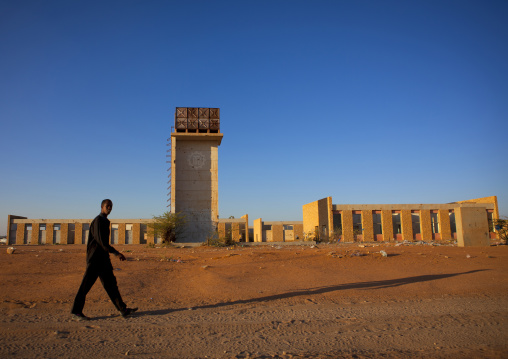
(484, 200)
(194, 183)
(480, 205)
(237, 229)
(298, 231)
(274, 231)
(318, 214)
(472, 227)
(65, 231)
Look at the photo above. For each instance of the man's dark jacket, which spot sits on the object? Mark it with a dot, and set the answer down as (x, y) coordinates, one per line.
(98, 248)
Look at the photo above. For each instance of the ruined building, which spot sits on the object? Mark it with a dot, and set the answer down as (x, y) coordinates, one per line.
(192, 158)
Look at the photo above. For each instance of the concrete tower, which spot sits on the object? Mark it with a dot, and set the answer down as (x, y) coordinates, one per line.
(194, 170)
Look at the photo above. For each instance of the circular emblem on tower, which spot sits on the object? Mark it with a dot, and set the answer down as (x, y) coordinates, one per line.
(196, 160)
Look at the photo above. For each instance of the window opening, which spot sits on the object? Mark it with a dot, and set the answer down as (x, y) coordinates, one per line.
(397, 228)
(434, 221)
(490, 219)
(415, 221)
(453, 225)
(376, 221)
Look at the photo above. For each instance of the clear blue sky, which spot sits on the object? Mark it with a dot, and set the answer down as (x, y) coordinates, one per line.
(364, 101)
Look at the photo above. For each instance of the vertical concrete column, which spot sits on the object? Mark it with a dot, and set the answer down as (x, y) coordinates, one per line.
(78, 233)
(426, 225)
(49, 233)
(35, 234)
(368, 226)
(387, 224)
(64, 233)
(20, 233)
(136, 233)
(221, 227)
(329, 219)
(246, 217)
(258, 230)
(150, 237)
(277, 233)
(347, 226)
(406, 224)
(235, 232)
(173, 174)
(121, 233)
(444, 224)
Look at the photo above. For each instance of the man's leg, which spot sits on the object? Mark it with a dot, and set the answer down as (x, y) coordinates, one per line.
(87, 283)
(109, 283)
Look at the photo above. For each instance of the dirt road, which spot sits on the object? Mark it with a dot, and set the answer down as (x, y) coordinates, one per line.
(331, 301)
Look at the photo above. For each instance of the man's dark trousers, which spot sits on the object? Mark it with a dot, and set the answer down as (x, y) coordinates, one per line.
(104, 271)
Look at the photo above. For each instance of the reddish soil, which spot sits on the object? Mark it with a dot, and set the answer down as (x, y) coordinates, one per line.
(420, 301)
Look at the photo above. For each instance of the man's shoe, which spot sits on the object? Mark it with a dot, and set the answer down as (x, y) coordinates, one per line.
(128, 311)
(79, 317)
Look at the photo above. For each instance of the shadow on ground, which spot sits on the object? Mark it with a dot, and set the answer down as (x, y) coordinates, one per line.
(372, 285)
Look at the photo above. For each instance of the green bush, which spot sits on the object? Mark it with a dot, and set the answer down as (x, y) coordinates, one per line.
(168, 226)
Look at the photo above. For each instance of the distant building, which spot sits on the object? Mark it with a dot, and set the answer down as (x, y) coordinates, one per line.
(470, 222)
(193, 191)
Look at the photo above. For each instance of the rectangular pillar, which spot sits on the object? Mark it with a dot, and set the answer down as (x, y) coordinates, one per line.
(35, 234)
(121, 233)
(406, 225)
(444, 224)
(246, 217)
(136, 233)
(78, 233)
(347, 226)
(64, 233)
(20, 233)
(367, 226)
(49, 233)
(387, 225)
(258, 230)
(426, 225)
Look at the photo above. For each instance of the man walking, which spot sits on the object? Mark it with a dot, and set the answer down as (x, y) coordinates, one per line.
(98, 265)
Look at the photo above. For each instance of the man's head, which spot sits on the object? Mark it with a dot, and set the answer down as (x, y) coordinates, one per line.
(106, 206)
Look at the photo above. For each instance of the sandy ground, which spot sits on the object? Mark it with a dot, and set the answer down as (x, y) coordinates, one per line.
(421, 301)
